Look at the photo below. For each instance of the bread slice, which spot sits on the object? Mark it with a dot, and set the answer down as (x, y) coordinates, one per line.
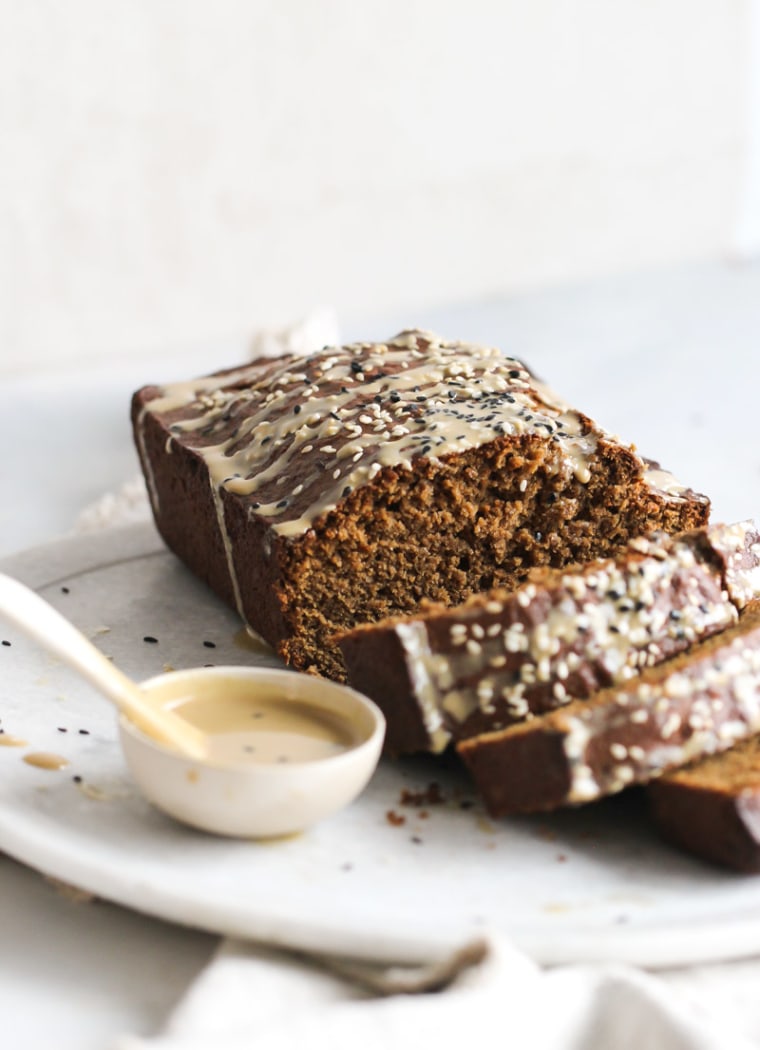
(711, 808)
(695, 704)
(503, 657)
(320, 492)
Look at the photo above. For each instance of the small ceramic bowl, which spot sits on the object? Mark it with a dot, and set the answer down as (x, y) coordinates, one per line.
(249, 799)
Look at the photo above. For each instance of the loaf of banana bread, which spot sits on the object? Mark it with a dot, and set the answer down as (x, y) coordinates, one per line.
(315, 493)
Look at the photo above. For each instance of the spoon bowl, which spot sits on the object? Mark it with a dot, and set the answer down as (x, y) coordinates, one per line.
(249, 798)
(237, 751)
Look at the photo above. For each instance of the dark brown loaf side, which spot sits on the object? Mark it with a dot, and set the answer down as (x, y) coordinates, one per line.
(500, 658)
(711, 808)
(698, 703)
(317, 493)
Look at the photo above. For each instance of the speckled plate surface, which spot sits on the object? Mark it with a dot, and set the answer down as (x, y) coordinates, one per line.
(381, 879)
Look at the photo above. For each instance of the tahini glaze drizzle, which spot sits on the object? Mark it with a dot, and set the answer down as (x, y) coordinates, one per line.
(299, 434)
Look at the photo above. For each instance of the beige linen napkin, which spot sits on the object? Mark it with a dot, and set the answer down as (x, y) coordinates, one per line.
(250, 996)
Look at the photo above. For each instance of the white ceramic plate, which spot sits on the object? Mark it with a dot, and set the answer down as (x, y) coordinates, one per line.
(589, 884)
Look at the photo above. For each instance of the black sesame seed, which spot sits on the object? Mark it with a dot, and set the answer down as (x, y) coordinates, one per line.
(395, 396)
(675, 614)
(77, 779)
(65, 590)
(265, 440)
(150, 639)
(514, 373)
(282, 504)
(255, 506)
(614, 629)
(538, 535)
(210, 645)
(345, 491)
(357, 367)
(416, 840)
(62, 729)
(296, 409)
(551, 497)
(84, 732)
(6, 642)
(334, 415)
(615, 595)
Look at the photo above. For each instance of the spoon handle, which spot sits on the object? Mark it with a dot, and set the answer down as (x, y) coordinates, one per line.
(25, 609)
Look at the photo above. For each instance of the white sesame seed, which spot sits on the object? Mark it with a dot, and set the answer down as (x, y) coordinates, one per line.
(672, 723)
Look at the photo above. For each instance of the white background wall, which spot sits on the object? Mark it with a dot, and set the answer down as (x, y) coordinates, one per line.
(173, 170)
